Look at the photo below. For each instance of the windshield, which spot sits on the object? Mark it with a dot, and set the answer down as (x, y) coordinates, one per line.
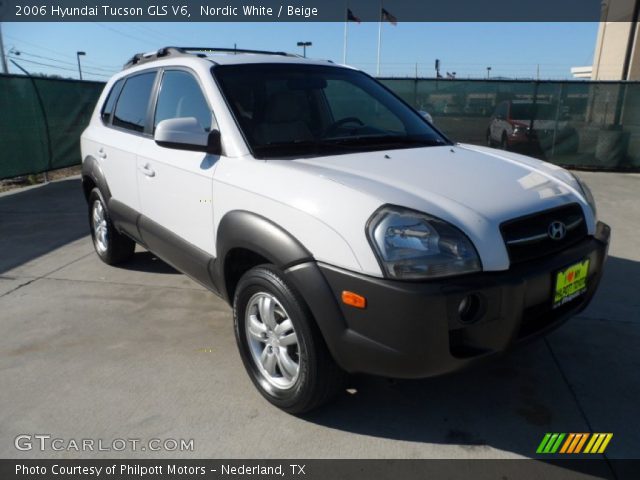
(289, 110)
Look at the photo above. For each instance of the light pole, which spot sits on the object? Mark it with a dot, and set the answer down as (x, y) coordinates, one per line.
(304, 46)
(488, 72)
(78, 54)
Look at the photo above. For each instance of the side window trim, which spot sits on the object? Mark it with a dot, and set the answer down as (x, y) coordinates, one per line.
(153, 101)
(145, 132)
(178, 68)
(116, 90)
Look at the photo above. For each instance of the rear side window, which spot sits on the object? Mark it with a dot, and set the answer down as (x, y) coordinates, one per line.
(180, 96)
(131, 110)
(107, 109)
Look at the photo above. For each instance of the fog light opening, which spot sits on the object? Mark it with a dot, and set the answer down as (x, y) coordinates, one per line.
(468, 309)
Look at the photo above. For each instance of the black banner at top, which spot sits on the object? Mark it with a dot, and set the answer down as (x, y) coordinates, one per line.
(318, 10)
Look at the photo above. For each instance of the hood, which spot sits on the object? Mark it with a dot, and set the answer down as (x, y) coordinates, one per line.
(496, 186)
(327, 201)
(473, 188)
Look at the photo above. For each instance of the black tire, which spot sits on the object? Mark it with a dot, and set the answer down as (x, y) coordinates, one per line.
(319, 378)
(504, 142)
(117, 248)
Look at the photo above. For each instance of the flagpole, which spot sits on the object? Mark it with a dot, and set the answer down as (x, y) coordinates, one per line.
(346, 23)
(379, 39)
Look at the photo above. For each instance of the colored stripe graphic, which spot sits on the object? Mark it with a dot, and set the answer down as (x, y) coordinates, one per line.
(543, 443)
(550, 443)
(598, 443)
(605, 443)
(556, 445)
(573, 443)
(594, 437)
(567, 443)
(578, 439)
(581, 442)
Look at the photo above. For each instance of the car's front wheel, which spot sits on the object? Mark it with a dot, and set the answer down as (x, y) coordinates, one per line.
(281, 346)
(504, 142)
(111, 246)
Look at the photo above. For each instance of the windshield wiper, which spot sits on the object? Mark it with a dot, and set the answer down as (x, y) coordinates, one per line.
(305, 147)
(343, 145)
(389, 140)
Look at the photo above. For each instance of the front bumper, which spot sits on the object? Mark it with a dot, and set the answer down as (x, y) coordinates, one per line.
(413, 329)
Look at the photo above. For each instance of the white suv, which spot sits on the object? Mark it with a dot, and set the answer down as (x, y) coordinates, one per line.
(346, 231)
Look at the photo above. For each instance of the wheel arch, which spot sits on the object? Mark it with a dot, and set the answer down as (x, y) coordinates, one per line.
(92, 177)
(244, 240)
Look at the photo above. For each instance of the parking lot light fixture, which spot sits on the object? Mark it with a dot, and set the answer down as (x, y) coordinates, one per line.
(78, 55)
(304, 46)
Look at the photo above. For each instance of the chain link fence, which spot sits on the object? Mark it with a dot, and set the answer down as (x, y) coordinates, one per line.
(590, 125)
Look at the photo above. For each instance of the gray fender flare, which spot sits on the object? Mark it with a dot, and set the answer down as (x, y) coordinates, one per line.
(243, 229)
(91, 169)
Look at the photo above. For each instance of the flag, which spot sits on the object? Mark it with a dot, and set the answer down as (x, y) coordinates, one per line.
(351, 17)
(389, 18)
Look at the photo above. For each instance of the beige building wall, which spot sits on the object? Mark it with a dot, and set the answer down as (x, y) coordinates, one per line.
(614, 38)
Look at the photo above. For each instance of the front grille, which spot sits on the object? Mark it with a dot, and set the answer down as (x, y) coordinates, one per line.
(527, 238)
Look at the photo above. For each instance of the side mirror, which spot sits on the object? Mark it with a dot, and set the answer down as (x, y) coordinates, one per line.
(426, 116)
(187, 134)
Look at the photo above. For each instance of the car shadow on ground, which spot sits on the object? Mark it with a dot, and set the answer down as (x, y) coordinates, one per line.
(145, 261)
(38, 220)
(582, 377)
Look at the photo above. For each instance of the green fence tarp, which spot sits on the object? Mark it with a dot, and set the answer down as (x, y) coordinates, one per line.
(23, 134)
(583, 124)
(580, 124)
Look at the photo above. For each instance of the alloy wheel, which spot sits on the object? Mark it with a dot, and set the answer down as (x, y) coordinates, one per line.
(100, 227)
(272, 340)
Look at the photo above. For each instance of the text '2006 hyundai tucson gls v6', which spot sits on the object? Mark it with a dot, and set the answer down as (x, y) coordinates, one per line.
(346, 231)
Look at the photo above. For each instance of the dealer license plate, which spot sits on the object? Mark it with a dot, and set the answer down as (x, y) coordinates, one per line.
(570, 283)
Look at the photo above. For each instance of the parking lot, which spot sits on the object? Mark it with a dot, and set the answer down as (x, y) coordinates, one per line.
(141, 351)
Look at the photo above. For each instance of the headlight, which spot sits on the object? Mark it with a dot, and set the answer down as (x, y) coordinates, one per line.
(412, 245)
(588, 196)
(520, 129)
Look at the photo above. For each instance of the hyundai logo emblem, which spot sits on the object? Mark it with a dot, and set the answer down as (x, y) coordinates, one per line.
(557, 230)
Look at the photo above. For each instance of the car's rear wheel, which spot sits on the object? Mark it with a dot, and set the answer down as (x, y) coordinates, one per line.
(111, 246)
(281, 346)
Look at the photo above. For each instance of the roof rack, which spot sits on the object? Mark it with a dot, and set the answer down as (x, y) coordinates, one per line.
(140, 58)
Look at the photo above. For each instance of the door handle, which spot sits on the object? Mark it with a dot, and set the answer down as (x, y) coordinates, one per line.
(147, 170)
(102, 154)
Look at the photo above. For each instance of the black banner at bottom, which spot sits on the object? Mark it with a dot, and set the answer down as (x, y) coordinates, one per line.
(319, 469)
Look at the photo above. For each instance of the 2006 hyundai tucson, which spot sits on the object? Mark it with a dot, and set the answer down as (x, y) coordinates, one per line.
(346, 231)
